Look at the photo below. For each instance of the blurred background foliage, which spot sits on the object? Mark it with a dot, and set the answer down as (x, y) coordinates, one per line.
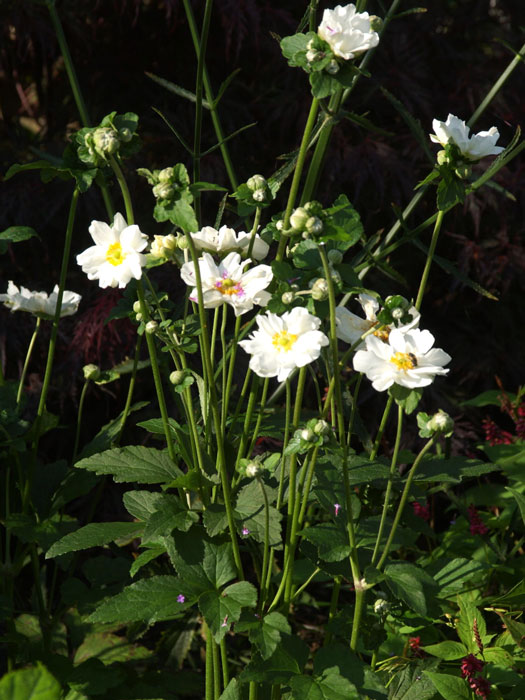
(442, 59)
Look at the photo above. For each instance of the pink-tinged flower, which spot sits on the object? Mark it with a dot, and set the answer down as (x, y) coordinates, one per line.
(477, 526)
(225, 622)
(480, 686)
(181, 598)
(337, 508)
(415, 648)
(116, 256)
(227, 283)
(471, 665)
(245, 532)
(422, 511)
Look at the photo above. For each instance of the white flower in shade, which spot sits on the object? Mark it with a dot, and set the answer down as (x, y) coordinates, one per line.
(347, 32)
(228, 283)
(351, 327)
(407, 359)
(454, 130)
(116, 256)
(225, 240)
(283, 343)
(39, 303)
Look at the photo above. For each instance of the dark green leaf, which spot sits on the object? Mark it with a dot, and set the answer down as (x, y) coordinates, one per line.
(222, 608)
(448, 650)
(452, 470)
(408, 399)
(133, 464)
(449, 687)
(94, 535)
(288, 660)
(16, 234)
(30, 684)
(410, 584)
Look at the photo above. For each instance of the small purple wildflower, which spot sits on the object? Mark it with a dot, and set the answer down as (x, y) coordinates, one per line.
(225, 622)
(337, 508)
(245, 532)
(181, 598)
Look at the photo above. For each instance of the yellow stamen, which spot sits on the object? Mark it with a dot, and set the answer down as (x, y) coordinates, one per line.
(283, 341)
(382, 334)
(228, 286)
(404, 360)
(114, 254)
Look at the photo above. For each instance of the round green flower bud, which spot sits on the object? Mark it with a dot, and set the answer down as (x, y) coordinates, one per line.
(105, 141)
(163, 191)
(182, 242)
(376, 23)
(442, 158)
(307, 434)
(166, 175)
(320, 289)
(136, 307)
(256, 182)
(333, 67)
(177, 377)
(125, 134)
(259, 195)
(288, 297)
(279, 225)
(151, 327)
(252, 469)
(91, 372)
(299, 218)
(314, 225)
(441, 422)
(381, 606)
(335, 257)
(321, 427)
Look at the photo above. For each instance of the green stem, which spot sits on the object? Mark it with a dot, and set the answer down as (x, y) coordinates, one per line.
(124, 189)
(253, 690)
(208, 370)
(209, 96)
(402, 502)
(381, 430)
(430, 256)
(224, 663)
(54, 331)
(198, 104)
(262, 405)
(216, 671)
(256, 221)
(306, 583)
(224, 372)
(79, 419)
(77, 93)
(294, 188)
(287, 416)
(131, 389)
(26, 363)
(209, 676)
(393, 470)
(333, 606)
(266, 546)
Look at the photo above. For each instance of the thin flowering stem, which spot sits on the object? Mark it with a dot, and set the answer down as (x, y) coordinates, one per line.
(381, 429)
(26, 362)
(294, 188)
(224, 372)
(430, 257)
(262, 405)
(266, 545)
(131, 389)
(54, 330)
(287, 420)
(219, 435)
(209, 96)
(256, 221)
(224, 663)
(198, 103)
(305, 584)
(393, 470)
(79, 419)
(336, 588)
(209, 676)
(403, 500)
(124, 189)
(216, 670)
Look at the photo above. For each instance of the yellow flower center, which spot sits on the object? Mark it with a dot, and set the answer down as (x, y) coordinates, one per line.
(283, 341)
(114, 254)
(229, 287)
(404, 360)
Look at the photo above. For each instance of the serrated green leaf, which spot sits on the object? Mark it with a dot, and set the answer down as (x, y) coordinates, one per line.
(520, 500)
(250, 511)
(331, 541)
(135, 463)
(452, 470)
(17, 234)
(288, 660)
(329, 686)
(232, 691)
(149, 600)
(203, 564)
(169, 515)
(449, 687)
(448, 650)
(222, 608)
(30, 684)
(452, 575)
(410, 584)
(109, 648)
(469, 616)
(265, 632)
(144, 558)
(94, 535)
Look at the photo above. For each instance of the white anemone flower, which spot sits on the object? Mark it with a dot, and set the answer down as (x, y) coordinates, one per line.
(116, 256)
(283, 343)
(347, 32)
(39, 303)
(454, 130)
(407, 359)
(228, 283)
(226, 240)
(351, 327)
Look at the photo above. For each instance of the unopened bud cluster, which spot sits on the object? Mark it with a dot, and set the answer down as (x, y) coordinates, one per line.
(164, 246)
(259, 188)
